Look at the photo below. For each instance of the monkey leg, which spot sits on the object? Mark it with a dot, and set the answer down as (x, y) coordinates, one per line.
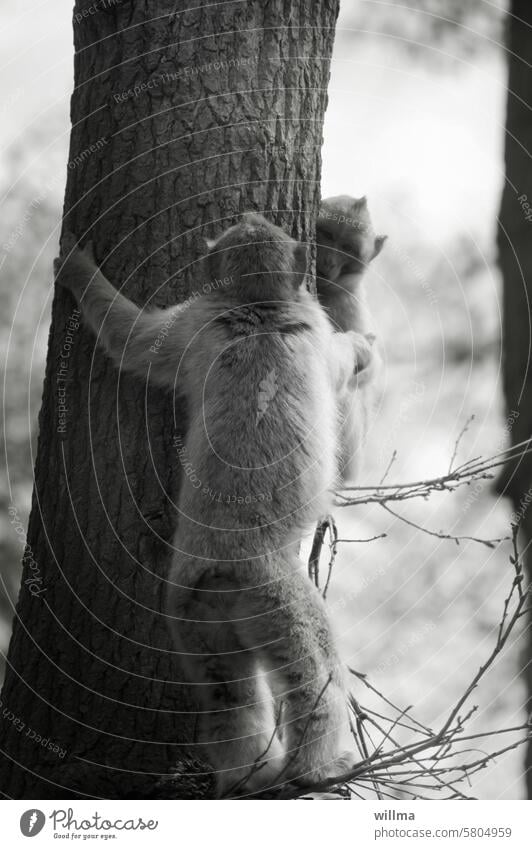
(236, 726)
(286, 625)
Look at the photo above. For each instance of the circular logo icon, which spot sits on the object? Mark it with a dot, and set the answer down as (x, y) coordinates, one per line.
(32, 822)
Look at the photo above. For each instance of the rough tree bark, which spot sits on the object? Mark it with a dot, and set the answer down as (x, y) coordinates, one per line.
(515, 257)
(180, 119)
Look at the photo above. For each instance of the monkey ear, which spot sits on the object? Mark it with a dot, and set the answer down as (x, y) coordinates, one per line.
(359, 205)
(378, 245)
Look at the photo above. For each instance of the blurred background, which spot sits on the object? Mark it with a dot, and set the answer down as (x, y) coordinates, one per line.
(416, 122)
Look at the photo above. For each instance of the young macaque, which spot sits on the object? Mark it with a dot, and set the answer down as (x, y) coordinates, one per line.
(346, 245)
(263, 373)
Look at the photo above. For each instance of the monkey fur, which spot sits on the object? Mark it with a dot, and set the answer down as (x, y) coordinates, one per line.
(346, 244)
(263, 373)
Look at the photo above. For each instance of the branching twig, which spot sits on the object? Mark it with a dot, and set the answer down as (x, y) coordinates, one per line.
(464, 475)
(458, 441)
(393, 458)
(457, 476)
(490, 543)
(430, 762)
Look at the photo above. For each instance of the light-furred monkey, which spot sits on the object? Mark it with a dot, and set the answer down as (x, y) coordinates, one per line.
(262, 371)
(346, 245)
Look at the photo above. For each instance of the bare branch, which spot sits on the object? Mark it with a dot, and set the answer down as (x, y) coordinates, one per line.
(388, 467)
(464, 475)
(458, 441)
(431, 763)
(490, 543)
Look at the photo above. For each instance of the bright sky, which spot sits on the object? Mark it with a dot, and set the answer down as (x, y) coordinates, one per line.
(430, 143)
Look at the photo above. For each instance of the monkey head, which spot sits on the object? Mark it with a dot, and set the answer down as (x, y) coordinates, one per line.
(259, 258)
(345, 237)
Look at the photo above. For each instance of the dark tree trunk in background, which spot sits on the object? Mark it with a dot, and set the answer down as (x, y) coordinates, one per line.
(180, 119)
(515, 256)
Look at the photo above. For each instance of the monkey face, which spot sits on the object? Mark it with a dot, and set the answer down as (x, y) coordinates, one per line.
(346, 240)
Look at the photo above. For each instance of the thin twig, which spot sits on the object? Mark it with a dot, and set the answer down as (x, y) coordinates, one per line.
(428, 761)
(464, 475)
(458, 440)
(490, 543)
(393, 458)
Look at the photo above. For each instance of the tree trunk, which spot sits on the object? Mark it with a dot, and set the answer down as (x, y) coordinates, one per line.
(515, 257)
(180, 119)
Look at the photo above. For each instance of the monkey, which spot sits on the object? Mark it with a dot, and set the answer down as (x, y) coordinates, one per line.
(262, 372)
(346, 244)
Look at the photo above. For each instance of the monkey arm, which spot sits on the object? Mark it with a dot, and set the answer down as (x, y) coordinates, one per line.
(357, 371)
(350, 355)
(344, 302)
(134, 339)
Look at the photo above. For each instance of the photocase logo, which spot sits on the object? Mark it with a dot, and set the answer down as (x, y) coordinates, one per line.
(267, 392)
(32, 822)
